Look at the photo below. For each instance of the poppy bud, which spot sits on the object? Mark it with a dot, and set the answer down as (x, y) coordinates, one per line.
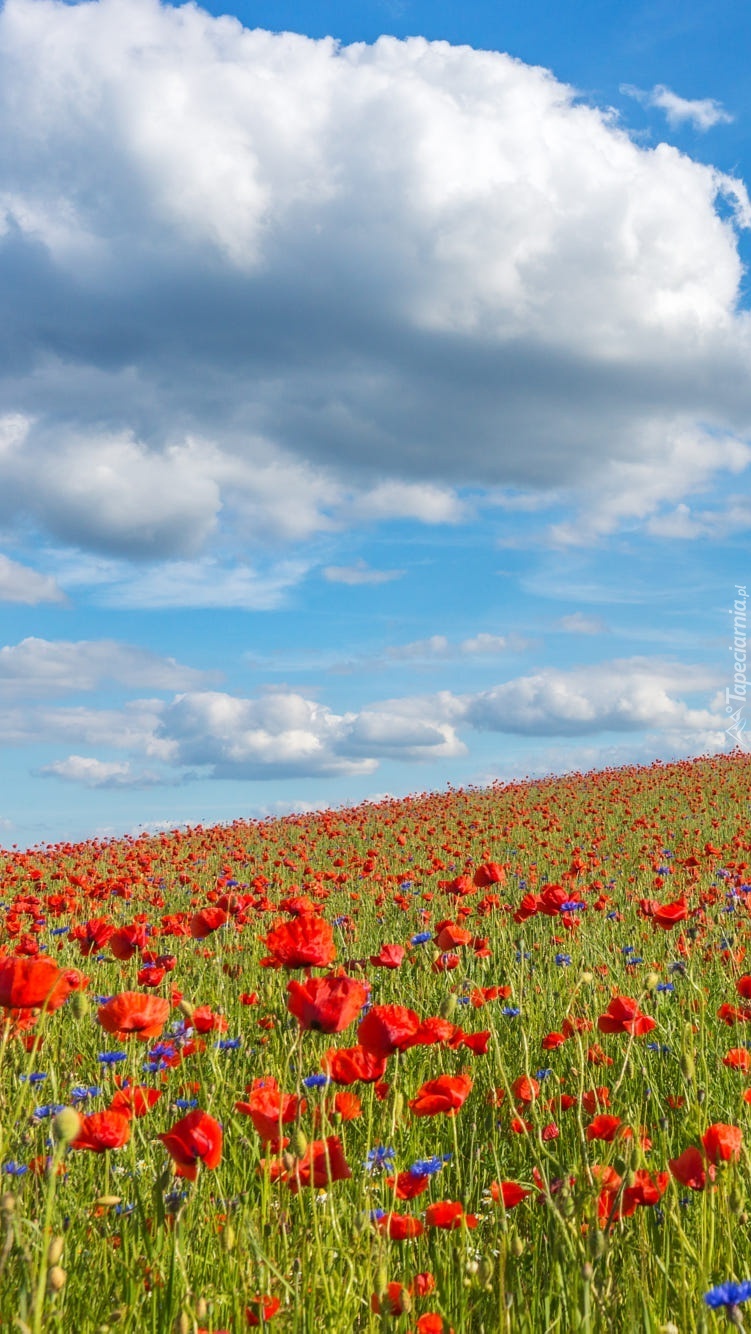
(381, 1281)
(298, 1142)
(202, 1308)
(79, 1005)
(56, 1279)
(587, 1272)
(735, 1199)
(107, 1201)
(587, 979)
(596, 1244)
(398, 1105)
(8, 1204)
(55, 1250)
(485, 1271)
(516, 1245)
(448, 1007)
(66, 1125)
(181, 1324)
(186, 1008)
(652, 981)
(472, 1267)
(688, 1068)
(228, 1239)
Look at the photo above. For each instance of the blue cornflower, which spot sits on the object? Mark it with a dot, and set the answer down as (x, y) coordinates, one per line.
(124, 1208)
(185, 1104)
(378, 1158)
(15, 1169)
(427, 1167)
(376, 1215)
(664, 870)
(462, 1000)
(154, 1067)
(101, 1000)
(728, 1294)
(228, 1044)
(316, 1081)
(32, 1079)
(632, 963)
(59, 930)
(51, 1109)
(111, 1057)
(406, 884)
(665, 986)
(421, 938)
(543, 1074)
(572, 905)
(611, 916)
(627, 949)
(340, 921)
(510, 1011)
(563, 960)
(80, 1093)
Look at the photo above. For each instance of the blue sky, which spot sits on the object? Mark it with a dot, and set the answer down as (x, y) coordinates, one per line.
(375, 405)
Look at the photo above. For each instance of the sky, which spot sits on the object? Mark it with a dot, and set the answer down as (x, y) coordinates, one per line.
(375, 400)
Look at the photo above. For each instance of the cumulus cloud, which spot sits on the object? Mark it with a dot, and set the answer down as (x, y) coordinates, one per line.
(261, 286)
(92, 773)
(37, 667)
(284, 734)
(19, 583)
(440, 647)
(701, 112)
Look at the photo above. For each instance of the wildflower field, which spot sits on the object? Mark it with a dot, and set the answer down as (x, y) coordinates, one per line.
(477, 1061)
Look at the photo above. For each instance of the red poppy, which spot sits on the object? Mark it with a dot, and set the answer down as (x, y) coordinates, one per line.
(408, 1185)
(269, 1109)
(669, 914)
(196, 1138)
(102, 1131)
(305, 942)
(552, 1041)
(352, 1065)
(347, 1106)
(509, 1192)
(326, 1004)
(432, 1030)
(446, 1094)
(525, 1088)
(389, 956)
(400, 1227)
(203, 923)
(322, 1163)
(645, 1190)
(722, 1142)
(624, 1016)
(594, 1099)
(30, 984)
(477, 1043)
(743, 986)
(395, 1301)
(450, 936)
(203, 1020)
(261, 1309)
(431, 1323)
(134, 1100)
(738, 1058)
(132, 1013)
(448, 1214)
(93, 935)
(387, 1028)
(124, 942)
(606, 1128)
(690, 1169)
(422, 1284)
(492, 873)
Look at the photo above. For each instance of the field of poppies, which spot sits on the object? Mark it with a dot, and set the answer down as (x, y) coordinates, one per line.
(476, 1061)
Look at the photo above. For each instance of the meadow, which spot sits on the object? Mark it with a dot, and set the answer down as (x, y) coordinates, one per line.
(475, 1061)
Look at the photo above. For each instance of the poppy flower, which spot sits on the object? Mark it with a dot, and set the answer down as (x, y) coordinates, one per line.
(305, 942)
(408, 1185)
(552, 1041)
(387, 1028)
(395, 1301)
(738, 1058)
(509, 1192)
(448, 1214)
(445, 1094)
(451, 936)
(352, 1065)
(690, 1169)
(389, 956)
(422, 1284)
(722, 1142)
(400, 1227)
(525, 1088)
(624, 1016)
(491, 873)
(93, 935)
(669, 914)
(322, 1163)
(345, 1105)
(431, 1323)
(646, 1189)
(134, 1100)
(605, 1128)
(432, 1030)
(196, 1138)
(124, 942)
(101, 1131)
(269, 1109)
(131, 1013)
(30, 984)
(326, 1004)
(261, 1309)
(208, 920)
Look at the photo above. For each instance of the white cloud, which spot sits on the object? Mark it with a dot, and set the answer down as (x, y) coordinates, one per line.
(94, 773)
(266, 287)
(578, 623)
(359, 573)
(440, 647)
(52, 667)
(701, 112)
(18, 583)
